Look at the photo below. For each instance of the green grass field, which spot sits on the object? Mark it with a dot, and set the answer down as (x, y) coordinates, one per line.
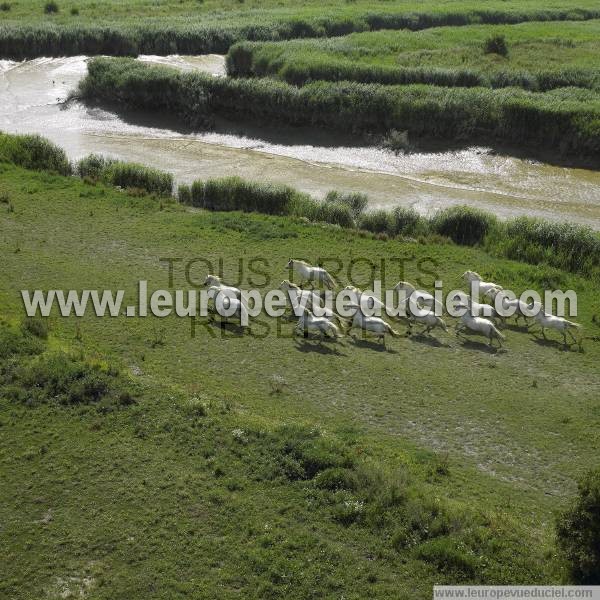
(32, 29)
(379, 56)
(113, 10)
(166, 498)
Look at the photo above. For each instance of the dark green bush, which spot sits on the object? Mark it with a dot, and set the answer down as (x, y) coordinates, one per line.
(14, 342)
(407, 221)
(92, 166)
(377, 221)
(132, 175)
(336, 479)
(51, 7)
(184, 194)
(5, 6)
(449, 557)
(496, 45)
(355, 201)
(63, 379)
(463, 225)
(578, 531)
(36, 326)
(33, 152)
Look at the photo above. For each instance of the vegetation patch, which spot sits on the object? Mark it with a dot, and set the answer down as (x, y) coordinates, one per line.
(565, 120)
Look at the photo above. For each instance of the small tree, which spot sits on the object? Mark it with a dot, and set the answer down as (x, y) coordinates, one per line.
(578, 531)
(496, 45)
(51, 7)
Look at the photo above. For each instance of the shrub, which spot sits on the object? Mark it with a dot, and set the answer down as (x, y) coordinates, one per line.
(61, 378)
(448, 556)
(336, 479)
(396, 141)
(133, 175)
(15, 342)
(36, 326)
(574, 248)
(496, 44)
(377, 221)
(74, 11)
(355, 201)
(33, 152)
(51, 7)
(4, 6)
(407, 221)
(578, 530)
(92, 166)
(463, 225)
(184, 194)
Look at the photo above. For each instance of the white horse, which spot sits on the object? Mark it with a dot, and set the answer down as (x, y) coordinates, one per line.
(216, 281)
(374, 325)
(478, 325)
(521, 309)
(422, 297)
(311, 274)
(321, 325)
(357, 297)
(559, 324)
(229, 302)
(484, 286)
(309, 299)
(430, 320)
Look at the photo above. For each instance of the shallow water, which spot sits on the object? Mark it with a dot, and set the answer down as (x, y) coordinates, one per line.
(32, 96)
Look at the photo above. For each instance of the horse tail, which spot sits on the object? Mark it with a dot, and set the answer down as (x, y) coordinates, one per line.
(393, 332)
(497, 333)
(441, 323)
(573, 324)
(329, 280)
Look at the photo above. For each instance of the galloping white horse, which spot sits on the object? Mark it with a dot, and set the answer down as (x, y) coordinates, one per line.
(559, 324)
(374, 325)
(311, 274)
(229, 301)
(216, 281)
(430, 320)
(520, 308)
(322, 325)
(484, 286)
(308, 299)
(357, 296)
(478, 325)
(423, 297)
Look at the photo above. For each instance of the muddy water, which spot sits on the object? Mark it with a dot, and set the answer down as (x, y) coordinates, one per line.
(31, 101)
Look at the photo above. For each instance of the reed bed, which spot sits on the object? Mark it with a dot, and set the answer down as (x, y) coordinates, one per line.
(125, 175)
(446, 56)
(33, 152)
(564, 121)
(565, 246)
(22, 40)
(562, 245)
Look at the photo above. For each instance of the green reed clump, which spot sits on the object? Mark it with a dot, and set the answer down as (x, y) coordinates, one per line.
(567, 246)
(355, 201)
(132, 175)
(126, 175)
(92, 166)
(33, 152)
(496, 44)
(464, 225)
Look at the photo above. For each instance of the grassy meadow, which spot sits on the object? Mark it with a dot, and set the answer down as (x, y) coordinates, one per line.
(540, 56)
(31, 29)
(161, 477)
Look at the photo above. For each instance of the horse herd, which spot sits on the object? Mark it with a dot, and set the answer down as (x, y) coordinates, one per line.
(476, 318)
